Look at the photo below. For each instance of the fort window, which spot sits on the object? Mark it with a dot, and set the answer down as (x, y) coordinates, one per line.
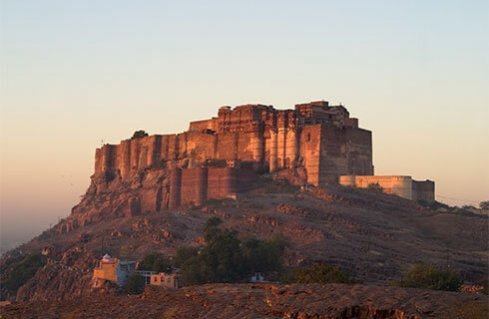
(308, 137)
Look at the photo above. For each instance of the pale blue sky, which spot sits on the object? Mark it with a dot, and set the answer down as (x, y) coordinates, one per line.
(72, 73)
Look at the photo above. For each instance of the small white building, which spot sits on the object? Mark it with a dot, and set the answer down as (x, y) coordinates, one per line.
(257, 277)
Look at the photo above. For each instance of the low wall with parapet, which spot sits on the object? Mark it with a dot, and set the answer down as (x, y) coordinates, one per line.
(403, 186)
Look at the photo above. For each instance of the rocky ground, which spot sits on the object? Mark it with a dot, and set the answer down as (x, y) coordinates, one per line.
(265, 301)
(371, 235)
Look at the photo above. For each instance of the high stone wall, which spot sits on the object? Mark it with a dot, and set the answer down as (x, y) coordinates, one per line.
(322, 139)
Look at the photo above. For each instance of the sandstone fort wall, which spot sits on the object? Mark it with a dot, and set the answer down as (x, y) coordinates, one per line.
(322, 140)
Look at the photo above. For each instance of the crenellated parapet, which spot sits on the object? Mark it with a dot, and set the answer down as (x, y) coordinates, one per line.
(322, 139)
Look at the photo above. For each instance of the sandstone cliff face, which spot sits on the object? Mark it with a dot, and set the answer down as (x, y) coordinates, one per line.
(109, 196)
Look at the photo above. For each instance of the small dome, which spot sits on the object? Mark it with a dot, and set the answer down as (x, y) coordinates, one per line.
(106, 257)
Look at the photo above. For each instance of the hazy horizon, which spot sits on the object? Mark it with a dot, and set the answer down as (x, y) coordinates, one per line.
(75, 74)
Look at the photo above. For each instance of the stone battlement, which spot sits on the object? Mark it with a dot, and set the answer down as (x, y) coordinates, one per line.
(318, 138)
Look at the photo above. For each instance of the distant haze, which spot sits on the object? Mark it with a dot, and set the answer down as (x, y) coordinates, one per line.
(76, 73)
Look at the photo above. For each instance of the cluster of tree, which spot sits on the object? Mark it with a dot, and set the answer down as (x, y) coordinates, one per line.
(429, 276)
(155, 262)
(22, 270)
(224, 258)
(227, 258)
(318, 273)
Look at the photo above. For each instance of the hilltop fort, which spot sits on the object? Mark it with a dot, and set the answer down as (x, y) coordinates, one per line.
(156, 193)
(314, 144)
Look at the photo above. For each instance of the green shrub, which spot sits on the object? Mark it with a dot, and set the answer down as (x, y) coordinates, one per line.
(184, 253)
(318, 273)
(262, 255)
(155, 262)
(135, 284)
(375, 187)
(430, 277)
(139, 134)
(19, 272)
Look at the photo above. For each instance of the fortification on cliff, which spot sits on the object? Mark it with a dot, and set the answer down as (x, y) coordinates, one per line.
(315, 144)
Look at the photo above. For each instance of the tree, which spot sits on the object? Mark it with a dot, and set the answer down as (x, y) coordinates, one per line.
(484, 205)
(155, 262)
(135, 284)
(262, 255)
(222, 258)
(430, 277)
(184, 253)
(139, 134)
(211, 227)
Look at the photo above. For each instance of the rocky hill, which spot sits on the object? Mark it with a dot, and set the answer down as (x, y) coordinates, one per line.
(369, 234)
(265, 301)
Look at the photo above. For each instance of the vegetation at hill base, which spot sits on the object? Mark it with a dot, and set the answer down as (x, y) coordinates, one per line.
(135, 284)
(467, 210)
(226, 257)
(155, 262)
(318, 273)
(21, 271)
(484, 205)
(429, 276)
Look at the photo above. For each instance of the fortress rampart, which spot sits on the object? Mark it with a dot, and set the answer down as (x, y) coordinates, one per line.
(320, 138)
(219, 157)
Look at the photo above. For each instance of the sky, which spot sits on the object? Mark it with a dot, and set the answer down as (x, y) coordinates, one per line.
(75, 74)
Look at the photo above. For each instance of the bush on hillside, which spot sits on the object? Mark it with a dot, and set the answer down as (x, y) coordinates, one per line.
(375, 187)
(21, 271)
(429, 276)
(135, 284)
(318, 273)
